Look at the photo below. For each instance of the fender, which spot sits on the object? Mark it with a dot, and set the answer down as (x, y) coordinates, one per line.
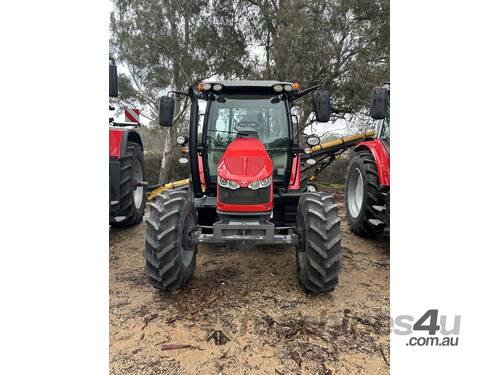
(118, 139)
(381, 157)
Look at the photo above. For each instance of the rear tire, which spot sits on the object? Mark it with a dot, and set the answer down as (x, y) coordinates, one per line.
(318, 253)
(132, 197)
(170, 256)
(362, 192)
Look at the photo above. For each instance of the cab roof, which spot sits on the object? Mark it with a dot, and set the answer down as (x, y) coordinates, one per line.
(249, 83)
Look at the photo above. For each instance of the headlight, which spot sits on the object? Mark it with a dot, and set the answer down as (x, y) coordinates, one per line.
(265, 182)
(227, 183)
(180, 140)
(257, 184)
(222, 181)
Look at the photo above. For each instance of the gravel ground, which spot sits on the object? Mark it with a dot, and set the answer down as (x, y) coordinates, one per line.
(250, 303)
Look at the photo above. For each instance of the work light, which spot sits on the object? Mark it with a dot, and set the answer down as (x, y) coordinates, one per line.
(180, 140)
(278, 88)
(313, 140)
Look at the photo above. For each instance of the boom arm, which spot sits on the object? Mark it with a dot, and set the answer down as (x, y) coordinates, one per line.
(329, 151)
(337, 144)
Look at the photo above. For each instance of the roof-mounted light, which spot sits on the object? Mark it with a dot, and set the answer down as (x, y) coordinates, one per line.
(296, 86)
(217, 87)
(204, 86)
(288, 88)
(278, 88)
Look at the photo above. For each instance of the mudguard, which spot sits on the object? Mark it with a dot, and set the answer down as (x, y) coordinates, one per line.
(381, 157)
(118, 139)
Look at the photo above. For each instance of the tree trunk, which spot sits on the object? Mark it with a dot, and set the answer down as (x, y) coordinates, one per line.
(167, 160)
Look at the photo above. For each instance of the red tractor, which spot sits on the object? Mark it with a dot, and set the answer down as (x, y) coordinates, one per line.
(245, 185)
(127, 197)
(368, 175)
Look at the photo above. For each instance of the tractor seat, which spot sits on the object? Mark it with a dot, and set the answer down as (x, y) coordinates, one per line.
(250, 126)
(247, 130)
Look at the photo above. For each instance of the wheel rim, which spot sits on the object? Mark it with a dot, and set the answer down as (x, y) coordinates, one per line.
(187, 251)
(355, 192)
(138, 190)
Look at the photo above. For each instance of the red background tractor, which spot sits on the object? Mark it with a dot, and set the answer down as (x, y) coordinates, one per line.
(368, 175)
(127, 198)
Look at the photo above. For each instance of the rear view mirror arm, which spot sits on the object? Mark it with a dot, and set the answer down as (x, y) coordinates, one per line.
(300, 94)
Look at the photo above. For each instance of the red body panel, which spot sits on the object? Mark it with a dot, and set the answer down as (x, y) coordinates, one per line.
(381, 157)
(245, 160)
(295, 176)
(115, 141)
(200, 168)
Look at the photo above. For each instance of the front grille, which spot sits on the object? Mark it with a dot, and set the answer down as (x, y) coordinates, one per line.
(245, 195)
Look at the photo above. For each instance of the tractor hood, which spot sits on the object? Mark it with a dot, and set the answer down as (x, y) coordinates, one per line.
(244, 161)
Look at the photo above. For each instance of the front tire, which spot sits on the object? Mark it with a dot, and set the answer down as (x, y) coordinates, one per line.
(318, 253)
(169, 253)
(362, 192)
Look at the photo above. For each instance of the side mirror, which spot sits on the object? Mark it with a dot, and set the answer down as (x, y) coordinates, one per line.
(167, 108)
(379, 102)
(113, 81)
(321, 105)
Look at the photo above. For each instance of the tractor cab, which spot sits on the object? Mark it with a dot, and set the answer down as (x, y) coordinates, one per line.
(245, 160)
(260, 117)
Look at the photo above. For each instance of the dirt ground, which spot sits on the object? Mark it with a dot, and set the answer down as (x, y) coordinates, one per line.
(250, 303)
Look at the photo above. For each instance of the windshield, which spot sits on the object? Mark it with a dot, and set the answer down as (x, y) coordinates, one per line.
(262, 117)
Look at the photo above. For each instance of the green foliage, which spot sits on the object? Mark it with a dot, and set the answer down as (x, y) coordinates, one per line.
(175, 43)
(343, 45)
(171, 44)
